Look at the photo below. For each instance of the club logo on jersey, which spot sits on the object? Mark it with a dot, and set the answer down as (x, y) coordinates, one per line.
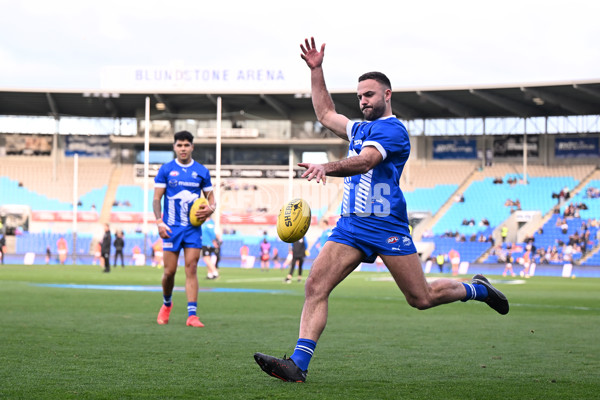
(194, 174)
(393, 239)
(357, 142)
(173, 173)
(172, 182)
(406, 241)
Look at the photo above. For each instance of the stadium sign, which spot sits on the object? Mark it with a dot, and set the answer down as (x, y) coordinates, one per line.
(512, 146)
(454, 149)
(228, 78)
(576, 147)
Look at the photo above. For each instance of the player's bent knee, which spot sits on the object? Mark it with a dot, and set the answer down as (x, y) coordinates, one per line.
(420, 303)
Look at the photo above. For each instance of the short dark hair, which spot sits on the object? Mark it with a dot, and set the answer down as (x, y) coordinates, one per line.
(377, 76)
(184, 136)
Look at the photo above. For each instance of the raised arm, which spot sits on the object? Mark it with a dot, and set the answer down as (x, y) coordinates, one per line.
(321, 99)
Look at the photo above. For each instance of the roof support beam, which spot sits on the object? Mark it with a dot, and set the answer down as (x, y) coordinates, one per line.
(276, 105)
(454, 107)
(568, 104)
(514, 107)
(586, 89)
(159, 99)
(52, 104)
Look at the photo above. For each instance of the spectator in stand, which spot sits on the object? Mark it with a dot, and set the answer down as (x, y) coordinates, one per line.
(498, 181)
(564, 227)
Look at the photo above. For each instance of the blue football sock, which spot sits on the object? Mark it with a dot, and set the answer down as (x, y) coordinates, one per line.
(192, 305)
(167, 300)
(303, 353)
(475, 291)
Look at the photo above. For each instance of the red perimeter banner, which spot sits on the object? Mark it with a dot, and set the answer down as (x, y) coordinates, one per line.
(138, 218)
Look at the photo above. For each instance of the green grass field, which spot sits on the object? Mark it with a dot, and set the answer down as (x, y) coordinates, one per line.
(105, 344)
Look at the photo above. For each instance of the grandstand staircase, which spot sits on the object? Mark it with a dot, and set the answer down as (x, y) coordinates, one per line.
(594, 174)
(111, 194)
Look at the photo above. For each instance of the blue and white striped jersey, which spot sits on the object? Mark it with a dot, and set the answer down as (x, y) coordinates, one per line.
(377, 192)
(183, 184)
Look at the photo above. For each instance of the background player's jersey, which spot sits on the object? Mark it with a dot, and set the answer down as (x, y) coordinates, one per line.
(208, 233)
(183, 184)
(377, 192)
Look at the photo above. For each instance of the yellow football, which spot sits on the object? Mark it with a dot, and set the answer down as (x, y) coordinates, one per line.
(195, 206)
(293, 220)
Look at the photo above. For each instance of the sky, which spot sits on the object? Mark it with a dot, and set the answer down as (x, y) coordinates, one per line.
(253, 46)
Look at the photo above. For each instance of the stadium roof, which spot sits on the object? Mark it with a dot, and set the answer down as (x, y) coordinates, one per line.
(561, 99)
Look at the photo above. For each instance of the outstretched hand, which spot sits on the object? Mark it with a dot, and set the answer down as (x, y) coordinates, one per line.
(311, 55)
(314, 171)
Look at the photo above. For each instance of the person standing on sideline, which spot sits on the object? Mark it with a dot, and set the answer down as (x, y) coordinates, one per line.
(119, 244)
(440, 259)
(2, 247)
(48, 255)
(454, 257)
(298, 254)
(62, 249)
(374, 218)
(265, 255)
(181, 182)
(105, 247)
(209, 243)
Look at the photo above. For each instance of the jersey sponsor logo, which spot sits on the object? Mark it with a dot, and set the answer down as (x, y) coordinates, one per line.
(167, 245)
(393, 239)
(357, 142)
(173, 173)
(190, 184)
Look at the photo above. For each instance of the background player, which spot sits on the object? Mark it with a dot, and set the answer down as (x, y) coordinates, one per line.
(180, 182)
(209, 245)
(374, 218)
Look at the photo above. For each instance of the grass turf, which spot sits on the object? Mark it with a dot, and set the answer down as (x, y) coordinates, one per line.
(87, 343)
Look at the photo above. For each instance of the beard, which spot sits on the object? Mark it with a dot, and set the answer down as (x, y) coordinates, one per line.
(374, 112)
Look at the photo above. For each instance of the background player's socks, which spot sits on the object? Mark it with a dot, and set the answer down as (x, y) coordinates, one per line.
(475, 291)
(303, 353)
(167, 300)
(192, 305)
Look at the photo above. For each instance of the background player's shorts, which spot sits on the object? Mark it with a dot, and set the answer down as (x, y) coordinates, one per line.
(183, 237)
(207, 251)
(372, 237)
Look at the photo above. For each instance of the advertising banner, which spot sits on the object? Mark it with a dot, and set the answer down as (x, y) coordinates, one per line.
(454, 149)
(576, 147)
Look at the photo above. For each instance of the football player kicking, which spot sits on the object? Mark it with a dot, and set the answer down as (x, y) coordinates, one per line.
(180, 182)
(374, 219)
